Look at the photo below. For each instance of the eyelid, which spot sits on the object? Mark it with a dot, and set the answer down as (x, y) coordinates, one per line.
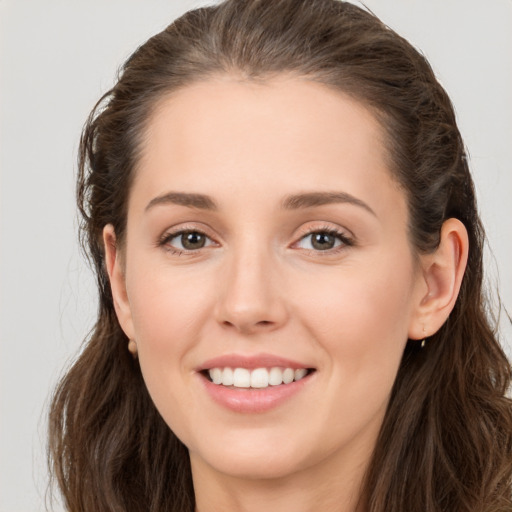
(309, 228)
(171, 233)
(345, 236)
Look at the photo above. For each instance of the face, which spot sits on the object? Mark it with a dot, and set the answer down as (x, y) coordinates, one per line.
(267, 241)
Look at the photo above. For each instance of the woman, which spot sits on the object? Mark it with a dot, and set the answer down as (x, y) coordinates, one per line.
(278, 205)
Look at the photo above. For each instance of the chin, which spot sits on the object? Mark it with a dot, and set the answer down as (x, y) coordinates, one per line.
(253, 457)
(259, 466)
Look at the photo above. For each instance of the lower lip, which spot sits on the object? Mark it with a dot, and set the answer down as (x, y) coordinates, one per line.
(251, 400)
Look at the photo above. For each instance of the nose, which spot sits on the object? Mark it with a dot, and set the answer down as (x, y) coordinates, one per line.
(251, 295)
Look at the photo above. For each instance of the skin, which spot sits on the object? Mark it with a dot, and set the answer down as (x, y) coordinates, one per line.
(260, 286)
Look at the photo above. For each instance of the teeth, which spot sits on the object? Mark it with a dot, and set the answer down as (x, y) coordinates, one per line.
(216, 375)
(288, 375)
(257, 378)
(227, 377)
(275, 377)
(241, 378)
(300, 373)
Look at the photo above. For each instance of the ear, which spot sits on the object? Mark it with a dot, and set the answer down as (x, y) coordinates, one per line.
(441, 277)
(115, 270)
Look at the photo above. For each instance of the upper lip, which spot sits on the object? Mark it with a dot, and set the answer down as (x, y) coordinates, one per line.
(250, 362)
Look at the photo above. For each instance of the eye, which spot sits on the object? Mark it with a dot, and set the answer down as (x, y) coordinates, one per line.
(187, 240)
(323, 240)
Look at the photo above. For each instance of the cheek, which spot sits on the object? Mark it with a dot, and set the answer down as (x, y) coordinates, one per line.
(359, 321)
(168, 316)
(360, 315)
(166, 309)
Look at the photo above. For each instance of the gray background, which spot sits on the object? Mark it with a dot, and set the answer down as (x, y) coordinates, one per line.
(56, 59)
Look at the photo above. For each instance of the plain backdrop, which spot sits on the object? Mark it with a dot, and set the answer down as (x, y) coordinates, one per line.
(56, 58)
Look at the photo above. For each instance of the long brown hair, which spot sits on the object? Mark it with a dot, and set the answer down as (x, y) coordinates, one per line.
(446, 440)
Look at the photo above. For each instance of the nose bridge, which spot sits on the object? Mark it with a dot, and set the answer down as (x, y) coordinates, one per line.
(250, 299)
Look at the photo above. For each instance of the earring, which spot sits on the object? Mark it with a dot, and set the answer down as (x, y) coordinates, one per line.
(424, 340)
(132, 348)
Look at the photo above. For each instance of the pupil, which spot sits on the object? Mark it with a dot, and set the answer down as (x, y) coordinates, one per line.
(192, 240)
(323, 241)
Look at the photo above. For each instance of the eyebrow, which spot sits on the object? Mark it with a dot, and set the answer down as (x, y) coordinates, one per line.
(310, 199)
(199, 201)
(292, 202)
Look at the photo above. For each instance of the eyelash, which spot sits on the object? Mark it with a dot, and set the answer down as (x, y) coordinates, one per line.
(346, 241)
(167, 237)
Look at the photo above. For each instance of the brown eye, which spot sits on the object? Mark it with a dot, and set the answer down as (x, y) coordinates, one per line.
(187, 241)
(322, 241)
(191, 240)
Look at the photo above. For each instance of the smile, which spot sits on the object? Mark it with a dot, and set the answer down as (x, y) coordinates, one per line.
(257, 378)
(254, 383)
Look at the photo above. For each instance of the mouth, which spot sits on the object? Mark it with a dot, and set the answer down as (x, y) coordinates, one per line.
(255, 378)
(255, 383)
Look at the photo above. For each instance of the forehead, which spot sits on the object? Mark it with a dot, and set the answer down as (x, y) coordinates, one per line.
(232, 136)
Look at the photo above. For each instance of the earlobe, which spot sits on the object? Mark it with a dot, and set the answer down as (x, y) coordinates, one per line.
(114, 266)
(442, 272)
